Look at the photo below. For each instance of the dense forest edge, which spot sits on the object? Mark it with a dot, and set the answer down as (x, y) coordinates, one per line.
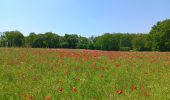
(158, 39)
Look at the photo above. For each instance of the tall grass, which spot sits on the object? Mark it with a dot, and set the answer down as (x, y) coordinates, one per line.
(61, 74)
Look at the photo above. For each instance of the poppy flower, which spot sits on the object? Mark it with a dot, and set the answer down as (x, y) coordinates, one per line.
(31, 97)
(60, 90)
(119, 91)
(74, 89)
(117, 65)
(101, 76)
(48, 98)
(78, 79)
(134, 88)
(102, 68)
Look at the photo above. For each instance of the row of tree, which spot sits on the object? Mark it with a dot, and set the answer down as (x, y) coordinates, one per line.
(157, 40)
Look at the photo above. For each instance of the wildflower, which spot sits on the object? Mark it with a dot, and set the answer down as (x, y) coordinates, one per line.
(48, 98)
(117, 65)
(119, 91)
(60, 90)
(102, 68)
(101, 76)
(74, 89)
(31, 97)
(134, 88)
(78, 79)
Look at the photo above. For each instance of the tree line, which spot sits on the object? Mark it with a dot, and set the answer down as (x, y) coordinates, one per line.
(158, 39)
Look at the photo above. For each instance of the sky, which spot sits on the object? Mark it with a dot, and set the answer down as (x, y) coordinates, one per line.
(82, 17)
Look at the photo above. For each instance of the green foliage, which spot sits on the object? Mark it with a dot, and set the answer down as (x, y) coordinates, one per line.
(157, 40)
(113, 41)
(29, 40)
(160, 35)
(140, 42)
(83, 43)
(107, 42)
(12, 39)
(125, 40)
(124, 48)
(72, 40)
(47, 40)
(34, 74)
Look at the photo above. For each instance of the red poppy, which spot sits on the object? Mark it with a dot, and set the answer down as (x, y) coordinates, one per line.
(117, 65)
(60, 90)
(134, 88)
(78, 79)
(31, 97)
(74, 89)
(101, 76)
(119, 91)
(102, 68)
(48, 98)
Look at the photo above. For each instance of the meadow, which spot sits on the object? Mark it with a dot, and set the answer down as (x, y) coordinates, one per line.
(68, 74)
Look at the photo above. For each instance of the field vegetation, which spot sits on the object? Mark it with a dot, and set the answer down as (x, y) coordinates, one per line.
(64, 74)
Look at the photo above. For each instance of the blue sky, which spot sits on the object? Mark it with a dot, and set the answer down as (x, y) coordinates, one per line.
(83, 17)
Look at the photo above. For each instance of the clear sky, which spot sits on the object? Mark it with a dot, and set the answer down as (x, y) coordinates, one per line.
(83, 17)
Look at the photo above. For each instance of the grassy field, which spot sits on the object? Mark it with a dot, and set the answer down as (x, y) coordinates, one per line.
(62, 74)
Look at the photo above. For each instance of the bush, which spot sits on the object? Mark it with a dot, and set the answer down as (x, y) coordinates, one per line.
(124, 48)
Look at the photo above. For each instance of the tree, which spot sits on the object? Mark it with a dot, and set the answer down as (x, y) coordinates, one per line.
(125, 42)
(62, 42)
(160, 35)
(140, 42)
(107, 42)
(47, 40)
(51, 39)
(83, 43)
(29, 40)
(13, 38)
(91, 41)
(2, 43)
(72, 40)
(39, 42)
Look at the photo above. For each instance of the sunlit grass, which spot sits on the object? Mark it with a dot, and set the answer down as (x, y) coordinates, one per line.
(54, 74)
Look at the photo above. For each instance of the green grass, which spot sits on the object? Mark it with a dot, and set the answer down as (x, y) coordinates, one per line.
(27, 74)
